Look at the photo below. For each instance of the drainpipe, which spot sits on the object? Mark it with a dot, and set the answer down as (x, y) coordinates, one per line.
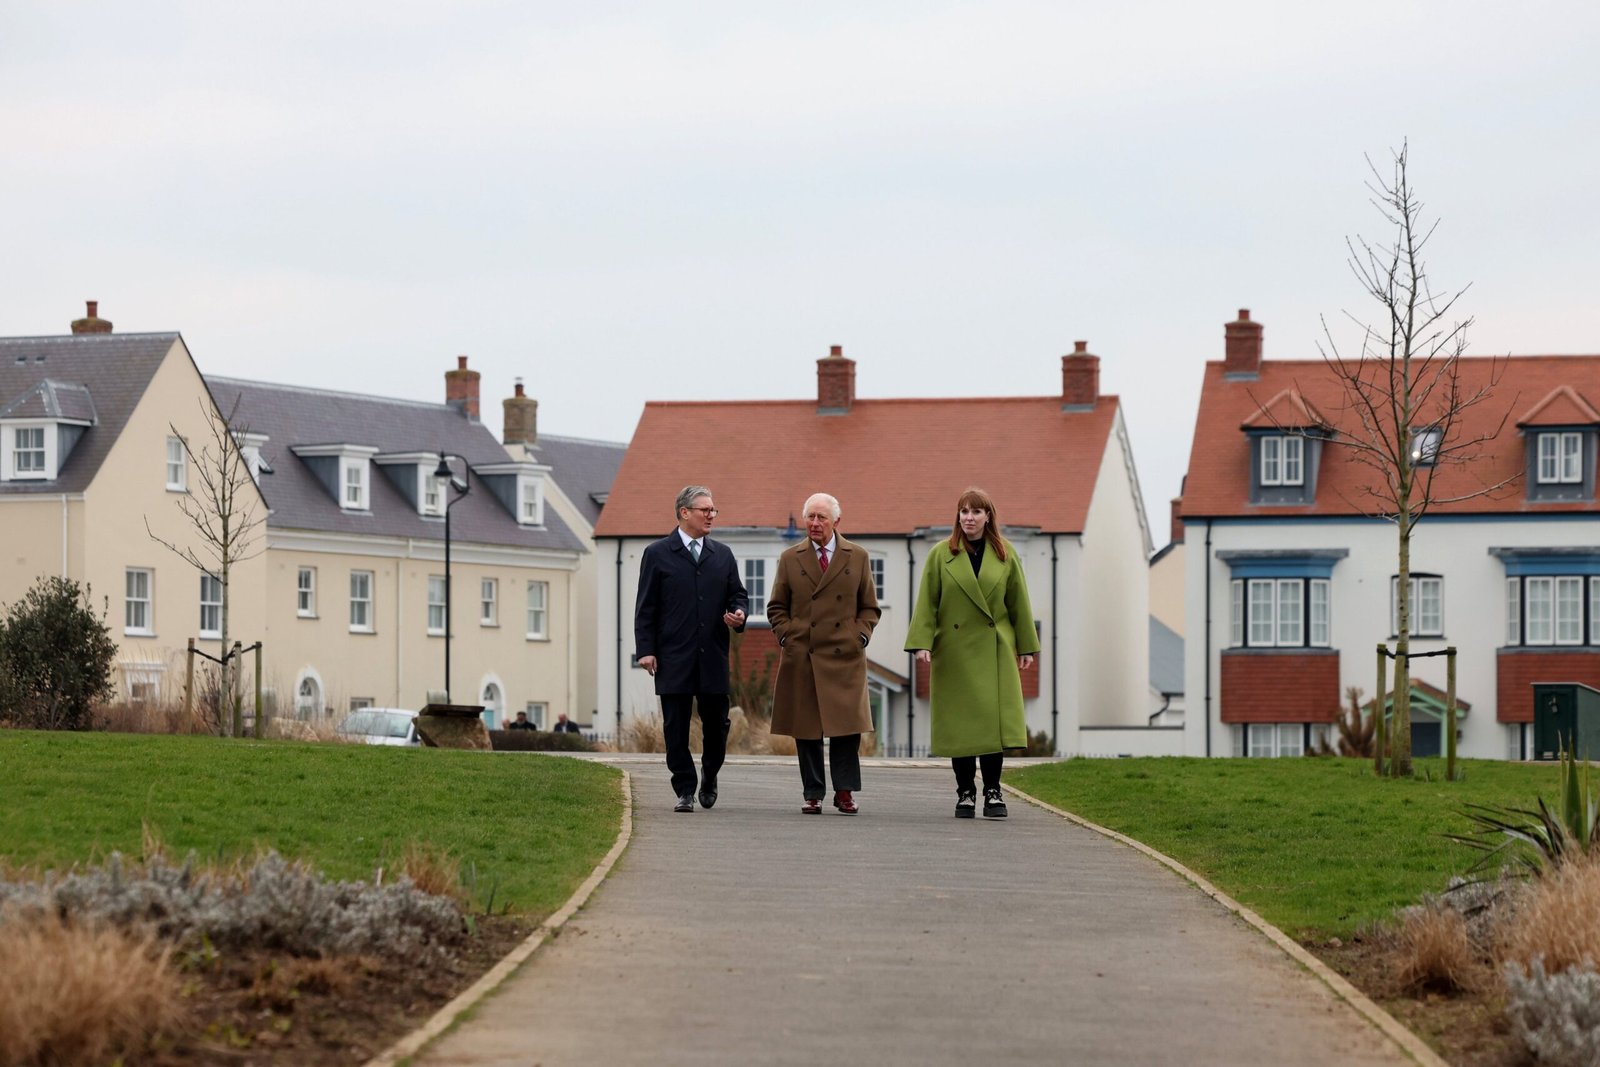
(911, 657)
(619, 644)
(63, 535)
(1207, 716)
(1055, 658)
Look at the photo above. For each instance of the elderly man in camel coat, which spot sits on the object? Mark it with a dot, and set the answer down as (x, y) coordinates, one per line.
(823, 608)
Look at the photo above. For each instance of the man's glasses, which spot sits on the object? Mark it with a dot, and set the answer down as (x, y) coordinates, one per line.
(709, 513)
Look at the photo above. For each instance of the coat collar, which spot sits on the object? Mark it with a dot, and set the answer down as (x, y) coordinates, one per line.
(805, 554)
(978, 586)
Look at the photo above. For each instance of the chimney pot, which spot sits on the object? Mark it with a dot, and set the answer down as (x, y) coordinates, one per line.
(521, 423)
(94, 308)
(92, 322)
(836, 382)
(1080, 346)
(1177, 520)
(1241, 352)
(461, 363)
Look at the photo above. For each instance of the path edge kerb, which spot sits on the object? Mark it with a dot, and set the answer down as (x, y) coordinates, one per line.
(446, 1016)
(1392, 1028)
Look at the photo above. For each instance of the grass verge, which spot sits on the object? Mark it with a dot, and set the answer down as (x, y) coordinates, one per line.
(1318, 847)
(526, 830)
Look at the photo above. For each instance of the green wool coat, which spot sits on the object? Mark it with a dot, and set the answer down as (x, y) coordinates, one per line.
(975, 626)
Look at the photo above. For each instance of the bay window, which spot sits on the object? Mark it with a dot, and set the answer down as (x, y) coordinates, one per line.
(1281, 613)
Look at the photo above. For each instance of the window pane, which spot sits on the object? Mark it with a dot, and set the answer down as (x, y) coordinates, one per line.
(1291, 739)
(1320, 616)
(1548, 468)
(1262, 737)
(876, 565)
(1236, 616)
(1271, 472)
(1541, 614)
(489, 595)
(1291, 612)
(1430, 606)
(210, 605)
(1261, 621)
(538, 602)
(1569, 611)
(1594, 611)
(435, 604)
(306, 592)
(755, 584)
(1571, 457)
(1294, 461)
(1513, 611)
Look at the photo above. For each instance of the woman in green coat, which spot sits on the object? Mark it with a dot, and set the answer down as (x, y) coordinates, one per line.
(974, 626)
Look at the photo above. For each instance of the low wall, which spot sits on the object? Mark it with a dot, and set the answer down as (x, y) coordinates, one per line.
(1114, 741)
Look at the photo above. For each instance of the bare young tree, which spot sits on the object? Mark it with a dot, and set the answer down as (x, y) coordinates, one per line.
(1405, 398)
(222, 510)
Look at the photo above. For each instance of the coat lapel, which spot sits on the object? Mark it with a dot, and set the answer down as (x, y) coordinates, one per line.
(960, 568)
(839, 561)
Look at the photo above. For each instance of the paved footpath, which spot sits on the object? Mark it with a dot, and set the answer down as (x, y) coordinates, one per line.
(752, 934)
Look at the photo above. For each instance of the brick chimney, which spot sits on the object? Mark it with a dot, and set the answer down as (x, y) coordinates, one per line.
(92, 323)
(1080, 378)
(1242, 347)
(1177, 520)
(461, 389)
(521, 419)
(836, 382)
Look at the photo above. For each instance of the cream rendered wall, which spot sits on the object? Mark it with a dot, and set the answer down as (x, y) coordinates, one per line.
(1166, 589)
(399, 664)
(129, 492)
(585, 614)
(1114, 652)
(43, 537)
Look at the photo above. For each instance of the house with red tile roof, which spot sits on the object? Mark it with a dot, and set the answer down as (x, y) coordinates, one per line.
(1060, 470)
(1291, 568)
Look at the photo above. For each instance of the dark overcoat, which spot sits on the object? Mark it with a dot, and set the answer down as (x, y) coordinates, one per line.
(823, 620)
(975, 625)
(677, 616)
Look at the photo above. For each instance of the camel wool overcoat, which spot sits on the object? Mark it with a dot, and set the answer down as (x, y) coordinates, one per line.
(823, 621)
(975, 625)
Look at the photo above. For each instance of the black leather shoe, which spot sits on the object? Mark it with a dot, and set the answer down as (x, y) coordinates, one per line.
(966, 804)
(685, 803)
(708, 794)
(994, 804)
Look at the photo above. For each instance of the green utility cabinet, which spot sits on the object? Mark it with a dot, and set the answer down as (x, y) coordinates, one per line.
(1563, 714)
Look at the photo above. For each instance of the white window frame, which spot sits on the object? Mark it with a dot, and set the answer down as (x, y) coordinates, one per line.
(1514, 611)
(1283, 460)
(755, 586)
(489, 602)
(1426, 589)
(355, 483)
(1236, 615)
(305, 593)
(538, 616)
(432, 494)
(1539, 595)
(143, 676)
(1261, 612)
(308, 705)
(11, 446)
(361, 607)
(1594, 610)
(530, 501)
(1569, 610)
(139, 604)
(538, 711)
(1560, 459)
(1289, 626)
(878, 566)
(436, 606)
(212, 585)
(1274, 740)
(177, 466)
(1319, 613)
(494, 707)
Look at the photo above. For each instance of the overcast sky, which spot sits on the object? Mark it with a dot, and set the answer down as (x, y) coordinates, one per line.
(628, 202)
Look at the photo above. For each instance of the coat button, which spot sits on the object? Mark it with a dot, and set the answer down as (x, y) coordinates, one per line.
(837, 625)
(957, 626)
(991, 626)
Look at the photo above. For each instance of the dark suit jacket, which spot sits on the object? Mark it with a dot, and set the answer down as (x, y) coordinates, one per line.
(677, 617)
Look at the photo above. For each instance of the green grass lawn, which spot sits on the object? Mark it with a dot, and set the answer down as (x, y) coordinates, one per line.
(1316, 846)
(531, 827)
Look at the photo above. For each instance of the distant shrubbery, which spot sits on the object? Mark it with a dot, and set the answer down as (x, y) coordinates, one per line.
(538, 741)
(56, 658)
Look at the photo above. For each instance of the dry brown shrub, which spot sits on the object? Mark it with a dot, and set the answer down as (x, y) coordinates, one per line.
(150, 718)
(279, 983)
(1558, 919)
(1433, 951)
(433, 870)
(644, 733)
(780, 745)
(74, 993)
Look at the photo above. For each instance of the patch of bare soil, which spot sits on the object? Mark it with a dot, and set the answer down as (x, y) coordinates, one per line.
(1467, 1028)
(255, 1008)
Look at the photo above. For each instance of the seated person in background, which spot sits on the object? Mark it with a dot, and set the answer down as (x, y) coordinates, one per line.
(521, 722)
(564, 725)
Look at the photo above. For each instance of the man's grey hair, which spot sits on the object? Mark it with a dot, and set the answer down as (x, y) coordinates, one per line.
(686, 498)
(833, 504)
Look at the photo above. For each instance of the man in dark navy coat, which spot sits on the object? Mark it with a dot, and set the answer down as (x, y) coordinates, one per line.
(690, 595)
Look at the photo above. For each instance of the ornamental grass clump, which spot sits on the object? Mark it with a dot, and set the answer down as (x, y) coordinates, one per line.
(81, 992)
(1434, 952)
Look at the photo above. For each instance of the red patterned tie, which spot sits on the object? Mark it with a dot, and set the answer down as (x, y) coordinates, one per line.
(822, 556)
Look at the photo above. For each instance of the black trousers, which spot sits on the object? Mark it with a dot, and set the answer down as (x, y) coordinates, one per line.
(844, 759)
(966, 770)
(676, 708)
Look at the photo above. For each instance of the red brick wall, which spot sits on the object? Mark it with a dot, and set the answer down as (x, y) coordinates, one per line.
(461, 388)
(758, 643)
(1030, 681)
(1517, 670)
(836, 380)
(1280, 686)
(1080, 376)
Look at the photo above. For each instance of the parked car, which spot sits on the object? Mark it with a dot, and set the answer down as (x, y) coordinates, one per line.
(380, 726)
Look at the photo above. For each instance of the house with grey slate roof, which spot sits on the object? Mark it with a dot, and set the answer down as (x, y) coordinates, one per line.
(347, 592)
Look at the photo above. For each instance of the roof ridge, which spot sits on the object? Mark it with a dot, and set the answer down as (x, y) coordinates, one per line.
(80, 338)
(579, 440)
(865, 401)
(225, 380)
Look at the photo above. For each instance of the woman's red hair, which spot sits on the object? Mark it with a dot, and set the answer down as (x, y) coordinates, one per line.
(974, 497)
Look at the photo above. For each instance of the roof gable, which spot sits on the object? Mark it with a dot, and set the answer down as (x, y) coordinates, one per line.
(1286, 411)
(1562, 406)
(895, 465)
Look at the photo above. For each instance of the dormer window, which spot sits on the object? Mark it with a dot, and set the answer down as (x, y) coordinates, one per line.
(432, 494)
(250, 448)
(28, 451)
(345, 471)
(530, 493)
(353, 472)
(1283, 460)
(1425, 445)
(518, 486)
(1560, 458)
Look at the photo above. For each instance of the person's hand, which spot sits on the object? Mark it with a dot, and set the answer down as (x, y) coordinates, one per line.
(1024, 662)
(649, 665)
(924, 656)
(734, 618)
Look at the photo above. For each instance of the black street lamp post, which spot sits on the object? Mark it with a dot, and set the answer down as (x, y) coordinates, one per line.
(447, 481)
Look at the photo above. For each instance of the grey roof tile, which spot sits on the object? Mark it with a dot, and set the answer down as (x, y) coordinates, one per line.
(583, 468)
(294, 415)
